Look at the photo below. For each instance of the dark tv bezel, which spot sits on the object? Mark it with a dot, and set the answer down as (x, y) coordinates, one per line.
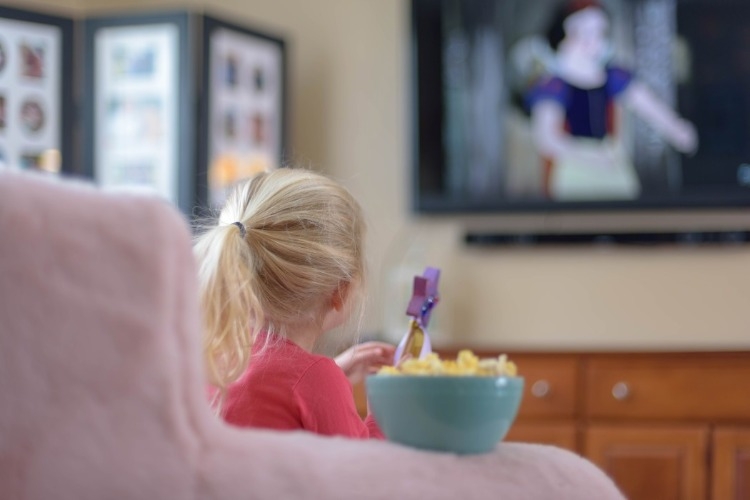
(438, 204)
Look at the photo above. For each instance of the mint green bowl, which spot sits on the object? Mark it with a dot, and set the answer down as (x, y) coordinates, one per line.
(458, 414)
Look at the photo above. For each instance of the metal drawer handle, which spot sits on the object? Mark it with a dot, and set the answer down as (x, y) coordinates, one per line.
(620, 391)
(540, 389)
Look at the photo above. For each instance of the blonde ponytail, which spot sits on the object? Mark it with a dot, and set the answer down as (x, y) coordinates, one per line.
(229, 305)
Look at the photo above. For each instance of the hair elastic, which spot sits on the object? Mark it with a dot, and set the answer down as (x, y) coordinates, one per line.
(241, 227)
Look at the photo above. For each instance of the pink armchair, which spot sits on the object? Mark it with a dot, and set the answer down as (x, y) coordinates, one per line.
(101, 383)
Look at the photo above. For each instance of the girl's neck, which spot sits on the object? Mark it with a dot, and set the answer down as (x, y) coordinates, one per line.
(304, 336)
(306, 333)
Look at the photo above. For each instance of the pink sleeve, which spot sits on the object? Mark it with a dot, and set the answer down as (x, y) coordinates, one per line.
(326, 402)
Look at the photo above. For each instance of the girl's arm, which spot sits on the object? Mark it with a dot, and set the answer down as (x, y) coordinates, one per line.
(326, 402)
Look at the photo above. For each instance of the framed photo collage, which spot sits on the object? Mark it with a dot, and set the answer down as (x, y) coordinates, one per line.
(176, 104)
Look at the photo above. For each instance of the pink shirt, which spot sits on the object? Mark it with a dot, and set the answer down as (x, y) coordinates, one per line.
(287, 388)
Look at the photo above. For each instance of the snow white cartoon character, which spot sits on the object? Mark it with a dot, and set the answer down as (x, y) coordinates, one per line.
(572, 111)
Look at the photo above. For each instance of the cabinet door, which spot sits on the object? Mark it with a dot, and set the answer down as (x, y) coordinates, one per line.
(650, 462)
(731, 464)
(562, 435)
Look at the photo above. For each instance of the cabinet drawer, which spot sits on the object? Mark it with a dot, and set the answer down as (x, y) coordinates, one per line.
(550, 382)
(673, 387)
(549, 386)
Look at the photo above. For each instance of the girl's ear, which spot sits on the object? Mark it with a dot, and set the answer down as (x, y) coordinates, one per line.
(340, 294)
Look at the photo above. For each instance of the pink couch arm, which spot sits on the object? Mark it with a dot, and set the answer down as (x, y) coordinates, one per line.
(306, 466)
(101, 382)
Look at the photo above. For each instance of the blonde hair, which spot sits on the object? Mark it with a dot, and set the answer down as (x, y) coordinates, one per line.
(302, 240)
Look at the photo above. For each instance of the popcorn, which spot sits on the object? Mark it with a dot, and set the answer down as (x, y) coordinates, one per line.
(465, 364)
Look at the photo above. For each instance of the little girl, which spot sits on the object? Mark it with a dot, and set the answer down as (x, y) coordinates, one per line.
(284, 265)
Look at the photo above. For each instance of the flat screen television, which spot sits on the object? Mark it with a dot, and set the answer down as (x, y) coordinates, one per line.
(553, 106)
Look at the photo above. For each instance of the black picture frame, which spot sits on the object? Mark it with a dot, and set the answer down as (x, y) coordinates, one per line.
(67, 109)
(212, 25)
(183, 87)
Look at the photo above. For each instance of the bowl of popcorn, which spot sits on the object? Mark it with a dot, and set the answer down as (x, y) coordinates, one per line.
(463, 406)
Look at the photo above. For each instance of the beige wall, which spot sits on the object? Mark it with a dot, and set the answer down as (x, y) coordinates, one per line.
(349, 108)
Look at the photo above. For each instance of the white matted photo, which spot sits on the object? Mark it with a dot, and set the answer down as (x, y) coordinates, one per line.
(31, 106)
(136, 112)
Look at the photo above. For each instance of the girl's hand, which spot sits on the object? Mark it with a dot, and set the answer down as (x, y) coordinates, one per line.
(364, 359)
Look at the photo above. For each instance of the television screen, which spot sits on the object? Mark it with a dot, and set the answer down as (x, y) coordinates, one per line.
(548, 105)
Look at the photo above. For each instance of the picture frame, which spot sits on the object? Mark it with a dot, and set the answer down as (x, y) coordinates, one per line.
(140, 113)
(243, 112)
(36, 95)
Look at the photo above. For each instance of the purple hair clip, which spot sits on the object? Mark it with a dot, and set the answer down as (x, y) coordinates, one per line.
(416, 342)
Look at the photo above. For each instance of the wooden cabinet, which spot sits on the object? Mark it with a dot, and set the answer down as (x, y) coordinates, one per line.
(662, 425)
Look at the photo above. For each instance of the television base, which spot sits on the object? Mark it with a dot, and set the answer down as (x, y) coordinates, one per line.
(683, 238)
